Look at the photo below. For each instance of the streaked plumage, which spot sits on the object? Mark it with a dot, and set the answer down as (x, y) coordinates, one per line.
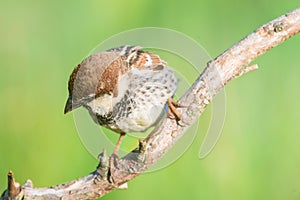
(124, 89)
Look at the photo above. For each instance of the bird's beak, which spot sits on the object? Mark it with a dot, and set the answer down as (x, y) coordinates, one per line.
(70, 105)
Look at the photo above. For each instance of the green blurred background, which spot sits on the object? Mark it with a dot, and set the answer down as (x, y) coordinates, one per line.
(257, 156)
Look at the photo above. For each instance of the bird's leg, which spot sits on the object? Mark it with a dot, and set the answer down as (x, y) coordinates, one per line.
(113, 160)
(172, 111)
(116, 150)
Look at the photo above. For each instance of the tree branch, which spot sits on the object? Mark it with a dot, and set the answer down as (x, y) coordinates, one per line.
(229, 65)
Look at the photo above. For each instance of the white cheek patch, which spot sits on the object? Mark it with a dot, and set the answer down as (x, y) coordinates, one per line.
(101, 105)
(149, 61)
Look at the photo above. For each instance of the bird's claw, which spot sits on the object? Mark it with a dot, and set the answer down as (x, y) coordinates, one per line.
(172, 109)
(113, 163)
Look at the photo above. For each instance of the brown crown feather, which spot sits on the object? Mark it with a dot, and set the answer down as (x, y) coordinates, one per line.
(99, 73)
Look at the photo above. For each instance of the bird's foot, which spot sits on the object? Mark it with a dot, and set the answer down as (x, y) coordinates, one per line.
(172, 109)
(114, 159)
(113, 163)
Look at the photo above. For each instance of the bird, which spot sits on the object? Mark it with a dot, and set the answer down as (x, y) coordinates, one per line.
(124, 89)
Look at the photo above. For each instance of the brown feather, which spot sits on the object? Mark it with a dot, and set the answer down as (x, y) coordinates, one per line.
(156, 60)
(99, 73)
(108, 81)
(85, 78)
(142, 61)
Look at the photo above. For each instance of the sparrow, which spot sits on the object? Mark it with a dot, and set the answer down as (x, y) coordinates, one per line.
(124, 89)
